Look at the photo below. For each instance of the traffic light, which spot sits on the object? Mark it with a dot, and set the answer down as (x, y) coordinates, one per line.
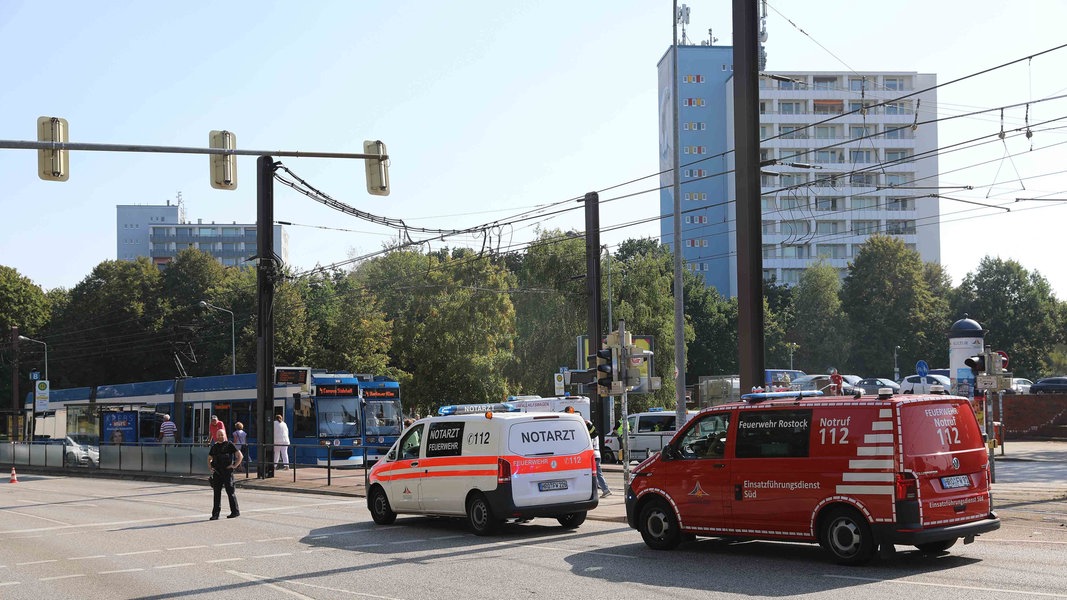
(977, 364)
(223, 166)
(52, 164)
(634, 358)
(377, 169)
(607, 369)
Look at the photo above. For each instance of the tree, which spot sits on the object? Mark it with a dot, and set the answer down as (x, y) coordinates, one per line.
(1019, 310)
(822, 332)
(25, 305)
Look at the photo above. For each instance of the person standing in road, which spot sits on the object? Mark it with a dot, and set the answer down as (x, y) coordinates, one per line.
(605, 491)
(240, 438)
(213, 429)
(281, 442)
(168, 431)
(222, 459)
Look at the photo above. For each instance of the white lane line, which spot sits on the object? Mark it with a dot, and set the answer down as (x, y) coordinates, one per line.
(397, 543)
(119, 571)
(448, 537)
(3, 583)
(955, 587)
(611, 555)
(174, 566)
(87, 557)
(219, 545)
(265, 580)
(277, 539)
(222, 560)
(22, 514)
(37, 562)
(186, 548)
(62, 577)
(272, 555)
(137, 552)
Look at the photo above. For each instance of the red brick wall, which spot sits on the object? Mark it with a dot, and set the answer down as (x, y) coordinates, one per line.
(1032, 415)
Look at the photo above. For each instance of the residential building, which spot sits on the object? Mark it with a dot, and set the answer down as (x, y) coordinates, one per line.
(160, 232)
(845, 156)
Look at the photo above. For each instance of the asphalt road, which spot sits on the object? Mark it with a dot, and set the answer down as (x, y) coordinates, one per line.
(97, 538)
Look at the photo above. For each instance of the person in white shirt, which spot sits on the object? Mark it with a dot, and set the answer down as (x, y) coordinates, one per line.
(281, 443)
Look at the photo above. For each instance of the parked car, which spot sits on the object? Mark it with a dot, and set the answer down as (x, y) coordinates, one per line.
(871, 385)
(917, 384)
(822, 382)
(1049, 385)
(1020, 385)
(80, 450)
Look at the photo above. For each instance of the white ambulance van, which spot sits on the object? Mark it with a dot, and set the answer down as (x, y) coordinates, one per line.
(856, 474)
(490, 468)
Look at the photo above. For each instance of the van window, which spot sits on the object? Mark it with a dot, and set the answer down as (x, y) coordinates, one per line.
(444, 439)
(773, 433)
(706, 438)
(409, 446)
(653, 423)
(938, 428)
(549, 437)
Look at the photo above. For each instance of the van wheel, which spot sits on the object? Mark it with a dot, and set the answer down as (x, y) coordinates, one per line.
(847, 535)
(480, 516)
(936, 547)
(380, 510)
(659, 526)
(572, 520)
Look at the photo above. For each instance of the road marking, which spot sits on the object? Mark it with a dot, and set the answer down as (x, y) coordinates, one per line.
(227, 544)
(269, 582)
(955, 587)
(62, 577)
(174, 566)
(448, 537)
(88, 557)
(222, 560)
(137, 552)
(272, 555)
(3, 583)
(277, 539)
(418, 541)
(119, 571)
(37, 562)
(186, 548)
(22, 514)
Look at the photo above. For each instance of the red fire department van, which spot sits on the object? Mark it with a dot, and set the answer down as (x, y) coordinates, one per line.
(855, 474)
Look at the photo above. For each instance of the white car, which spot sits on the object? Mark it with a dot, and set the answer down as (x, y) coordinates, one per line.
(917, 384)
(1020, 385)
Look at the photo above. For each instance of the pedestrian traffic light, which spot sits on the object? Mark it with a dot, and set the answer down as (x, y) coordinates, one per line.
(607, 367)
(223, 166)
(52, 164)
(976, 363)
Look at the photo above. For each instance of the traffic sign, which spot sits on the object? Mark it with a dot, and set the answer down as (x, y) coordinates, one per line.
(1004, 362)
(921, 368)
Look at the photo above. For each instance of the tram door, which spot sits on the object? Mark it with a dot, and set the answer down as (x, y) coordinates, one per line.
(222, 411)
(197, 419)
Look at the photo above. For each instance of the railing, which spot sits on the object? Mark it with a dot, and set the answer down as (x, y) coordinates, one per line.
(174, 459)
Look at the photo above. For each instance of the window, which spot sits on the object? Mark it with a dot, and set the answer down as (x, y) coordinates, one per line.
(706, 438)
(863, 179)
(898, 108)
(770, 251)
(792, 179)
(897, 155)
(768, 205)
(793, 132)
(763, 107)
(794, 202)
(829, 156)
(898, 179)
(829, 227)
(831, 251)
(768, 227)
(763, 132)
(791, 276)
(897, 133)
(829, 203)
(765, 154)
(767, 180)
(894, 83)
(790, 108)
(788, 84)
(769, 275)
(864, 227)
(857, 84)
(795, 251)
(773, 433)
(864, 203)
(861, 156)
(900, 227)
(859, 105)
(900, 203)
(794, 228)
(829, 107)
(858, 131)
(825, 83)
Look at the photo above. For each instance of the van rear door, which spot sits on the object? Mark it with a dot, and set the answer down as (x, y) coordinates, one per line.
(551, 460)
(943, 449)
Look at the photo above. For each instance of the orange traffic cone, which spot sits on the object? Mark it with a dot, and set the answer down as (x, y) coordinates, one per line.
(14, 477)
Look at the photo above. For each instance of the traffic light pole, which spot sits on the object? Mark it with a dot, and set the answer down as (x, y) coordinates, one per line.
(266, 271)
(592, 286)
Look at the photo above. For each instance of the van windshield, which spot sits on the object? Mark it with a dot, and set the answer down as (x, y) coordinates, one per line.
(931, 428)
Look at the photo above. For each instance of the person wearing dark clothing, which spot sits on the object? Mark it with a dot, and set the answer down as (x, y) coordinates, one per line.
(222, 459)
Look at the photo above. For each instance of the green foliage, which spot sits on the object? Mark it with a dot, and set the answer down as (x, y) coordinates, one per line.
(822, 331)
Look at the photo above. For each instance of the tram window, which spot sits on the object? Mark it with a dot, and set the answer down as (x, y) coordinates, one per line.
(304, 418)
(338, 417)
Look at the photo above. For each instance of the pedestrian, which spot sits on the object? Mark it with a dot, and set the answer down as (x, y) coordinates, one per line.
(168, 431)
(605, 491)
(222, 459)
(281, 442)
(240, 438)
(213, 429)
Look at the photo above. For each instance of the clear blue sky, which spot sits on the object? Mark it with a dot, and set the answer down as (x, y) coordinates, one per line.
(488, 109)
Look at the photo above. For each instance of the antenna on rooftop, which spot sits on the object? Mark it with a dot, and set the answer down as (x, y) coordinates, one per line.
(683, 18)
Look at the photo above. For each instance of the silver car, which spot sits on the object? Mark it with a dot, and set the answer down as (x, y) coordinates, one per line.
(918, 384)
(80, 450)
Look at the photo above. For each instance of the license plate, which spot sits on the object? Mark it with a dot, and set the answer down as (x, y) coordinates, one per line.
(548, 486)
(955, 481)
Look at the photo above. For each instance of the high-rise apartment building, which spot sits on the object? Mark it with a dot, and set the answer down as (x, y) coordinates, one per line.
(846, 156)
(160, 232)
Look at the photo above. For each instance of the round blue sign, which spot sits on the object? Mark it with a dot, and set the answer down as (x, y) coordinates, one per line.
(922, 369)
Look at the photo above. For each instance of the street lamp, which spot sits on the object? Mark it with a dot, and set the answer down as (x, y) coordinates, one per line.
(792, 348)
(233, 332)
(896, 370)
(26, 339)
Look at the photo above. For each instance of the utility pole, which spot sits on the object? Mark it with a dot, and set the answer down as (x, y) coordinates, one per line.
(592, 286)
(266, 271)
(16, 408)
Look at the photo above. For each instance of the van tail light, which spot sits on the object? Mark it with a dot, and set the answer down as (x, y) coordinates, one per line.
(907, 487)
(503, 471)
